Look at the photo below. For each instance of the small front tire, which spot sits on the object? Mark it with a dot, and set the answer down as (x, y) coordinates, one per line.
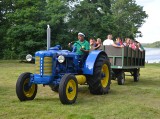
(68, 89)
(24, 90)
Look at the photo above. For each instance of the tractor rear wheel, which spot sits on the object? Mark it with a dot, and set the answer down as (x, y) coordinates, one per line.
(99, 82)
(25, 90)
(68, 89)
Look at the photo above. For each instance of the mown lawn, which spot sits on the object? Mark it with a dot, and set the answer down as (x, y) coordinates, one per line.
(134, 100)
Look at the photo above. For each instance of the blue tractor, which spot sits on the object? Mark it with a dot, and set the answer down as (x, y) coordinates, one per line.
(63, 70)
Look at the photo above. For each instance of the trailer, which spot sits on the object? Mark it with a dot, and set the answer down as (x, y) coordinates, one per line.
(125, 60)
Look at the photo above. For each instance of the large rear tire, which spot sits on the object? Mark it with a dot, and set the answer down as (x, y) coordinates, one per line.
(24, 90)
(68, 89)
(99, 82)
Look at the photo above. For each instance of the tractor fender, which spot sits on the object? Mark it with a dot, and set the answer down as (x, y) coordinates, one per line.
(90, 61)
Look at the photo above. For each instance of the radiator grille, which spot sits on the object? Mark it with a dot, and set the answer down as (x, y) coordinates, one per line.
(43, 67)
(37, 63)
(47, 67)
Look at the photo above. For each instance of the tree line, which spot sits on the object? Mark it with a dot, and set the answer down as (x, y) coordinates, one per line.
(152, 45)
(23, 23)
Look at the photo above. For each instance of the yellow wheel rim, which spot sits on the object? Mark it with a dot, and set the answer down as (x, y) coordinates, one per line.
(28, 91)
(105, 71)
(71, 89)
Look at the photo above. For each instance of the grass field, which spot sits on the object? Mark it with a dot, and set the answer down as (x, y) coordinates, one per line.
(134, 100)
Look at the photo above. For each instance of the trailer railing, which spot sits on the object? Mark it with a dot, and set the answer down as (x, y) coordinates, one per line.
(125, 57)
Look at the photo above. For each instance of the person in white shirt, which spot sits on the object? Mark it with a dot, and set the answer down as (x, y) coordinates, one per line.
(109, 41)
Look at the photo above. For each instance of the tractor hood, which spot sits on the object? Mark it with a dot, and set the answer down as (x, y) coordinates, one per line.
(50, 53)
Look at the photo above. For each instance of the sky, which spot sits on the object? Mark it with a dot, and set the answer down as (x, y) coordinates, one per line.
(151, 28)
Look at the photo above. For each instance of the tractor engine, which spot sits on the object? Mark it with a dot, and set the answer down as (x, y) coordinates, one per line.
(51, 65)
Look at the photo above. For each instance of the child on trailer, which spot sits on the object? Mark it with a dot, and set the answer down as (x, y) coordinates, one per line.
(132, 44)
(99, 44)
(119, 42)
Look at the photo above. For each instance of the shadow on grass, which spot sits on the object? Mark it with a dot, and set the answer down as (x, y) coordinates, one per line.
(80, 116)
(144, 82)
(48, 99)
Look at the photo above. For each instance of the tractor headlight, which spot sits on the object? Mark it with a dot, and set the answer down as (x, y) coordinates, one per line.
(61, 59)
(29, 57)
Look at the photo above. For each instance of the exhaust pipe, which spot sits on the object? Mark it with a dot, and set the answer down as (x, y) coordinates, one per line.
(48, 37)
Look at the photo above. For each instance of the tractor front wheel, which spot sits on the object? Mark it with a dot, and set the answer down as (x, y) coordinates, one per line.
(25, 90)
(68, 89)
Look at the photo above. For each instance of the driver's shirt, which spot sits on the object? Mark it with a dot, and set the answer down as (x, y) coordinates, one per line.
(79, 45)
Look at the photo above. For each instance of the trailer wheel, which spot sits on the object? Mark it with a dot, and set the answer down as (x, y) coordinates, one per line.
(121, 78)
(99, 82)
(68, 89)
(24, 90)
(136, 75)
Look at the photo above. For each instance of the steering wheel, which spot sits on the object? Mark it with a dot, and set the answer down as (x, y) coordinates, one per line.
(74, 48)
(76, 42)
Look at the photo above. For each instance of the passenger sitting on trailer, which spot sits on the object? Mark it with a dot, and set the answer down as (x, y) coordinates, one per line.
(126, 43)
(109, 41)
(92, 44)
(132, 44)
(118, 41)
(140, 47)
(99, 44)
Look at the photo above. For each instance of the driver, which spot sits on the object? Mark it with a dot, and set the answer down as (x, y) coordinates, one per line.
(82, 45)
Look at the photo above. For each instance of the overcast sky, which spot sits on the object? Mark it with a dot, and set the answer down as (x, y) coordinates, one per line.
(151, 28)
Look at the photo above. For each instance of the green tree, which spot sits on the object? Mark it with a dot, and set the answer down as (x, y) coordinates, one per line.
(56, 16)
(26, 32)
(23, 22)
(93, 17)
(29, 19)
(100, 17)
(5, 7)
(128, 17)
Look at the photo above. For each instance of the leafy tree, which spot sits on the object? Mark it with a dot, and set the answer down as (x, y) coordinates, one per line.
(23, 22)
(26, 32)
(100, 17)
(5, 7)
(29, 19)
(90, 17)
(56, 16)
(128, 17)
